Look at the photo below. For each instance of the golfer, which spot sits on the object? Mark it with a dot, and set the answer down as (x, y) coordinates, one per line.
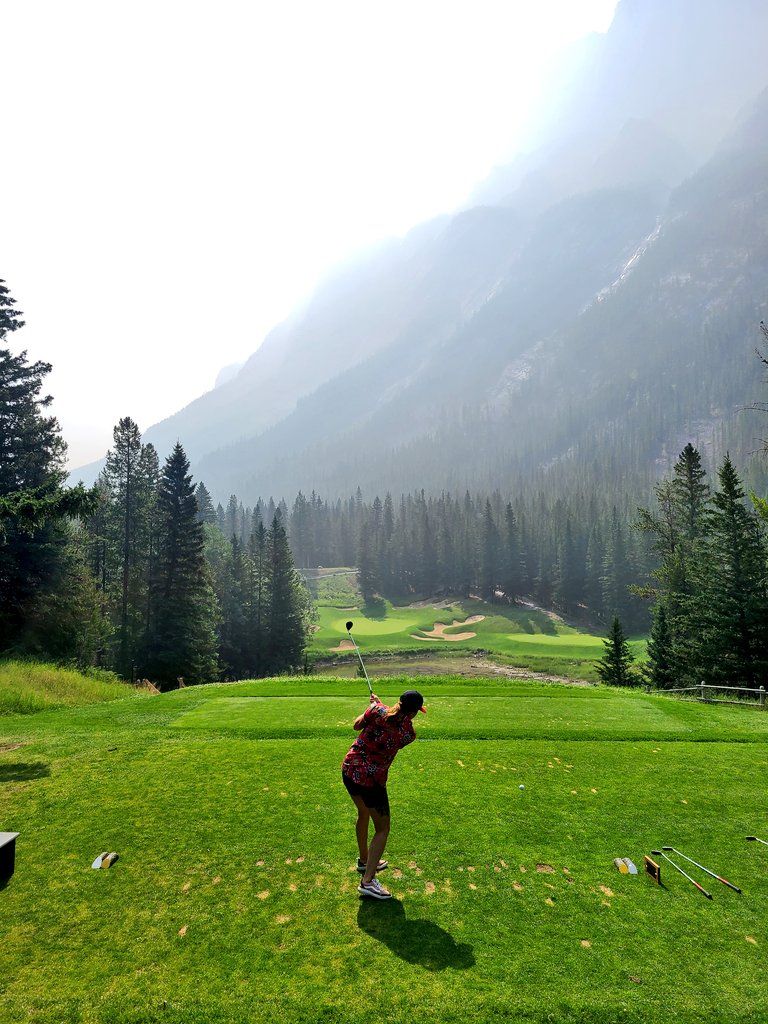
(383, 731)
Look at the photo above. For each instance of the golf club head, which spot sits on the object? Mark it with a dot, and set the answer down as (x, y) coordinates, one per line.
(350, 624)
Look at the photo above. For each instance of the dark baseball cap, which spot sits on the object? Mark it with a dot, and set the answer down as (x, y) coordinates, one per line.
(412, 700)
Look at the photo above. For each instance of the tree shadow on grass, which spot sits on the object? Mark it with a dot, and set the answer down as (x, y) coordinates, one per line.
(417, 941)
(23, 772)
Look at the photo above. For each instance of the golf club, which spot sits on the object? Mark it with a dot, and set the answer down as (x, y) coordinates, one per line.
(712, 873)
(660, 853)
(756, 840)
(349, 627)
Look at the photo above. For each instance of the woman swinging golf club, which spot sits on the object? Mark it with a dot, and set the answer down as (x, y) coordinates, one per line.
(383, 731)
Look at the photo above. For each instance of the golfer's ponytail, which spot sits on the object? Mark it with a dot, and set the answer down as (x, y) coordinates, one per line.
(394, 711)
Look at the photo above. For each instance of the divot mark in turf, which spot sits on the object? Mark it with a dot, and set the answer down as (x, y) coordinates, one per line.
(299, 860)
(549, 901)
(606, 891)
(412, 864)
(396, 873)
(293, 887)
(545, 869)
(282, 919)
(523, 868)
(460, 764)
(517, 887)
(634, 978)
(472, 886)
(216, 880)
(586, 944)
(183, 931)
(288, 860)
(263, 895)
(259, 863)
(186, 887)
(429, 887)
(470, 869)
(752, 939)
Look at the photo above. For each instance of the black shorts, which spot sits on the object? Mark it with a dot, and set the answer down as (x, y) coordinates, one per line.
(374, 796)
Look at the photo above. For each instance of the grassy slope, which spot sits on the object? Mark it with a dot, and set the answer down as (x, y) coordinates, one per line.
(28, 687)
(234, 901)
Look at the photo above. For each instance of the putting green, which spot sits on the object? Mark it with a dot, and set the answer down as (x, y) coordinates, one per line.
(392, 624)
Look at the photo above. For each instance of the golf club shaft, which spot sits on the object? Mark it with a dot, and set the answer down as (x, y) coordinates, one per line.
(757, 840)
(359, 655)
(660, 853)
(701, 866)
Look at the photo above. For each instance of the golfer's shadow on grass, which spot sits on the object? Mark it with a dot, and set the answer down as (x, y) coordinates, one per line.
(417, 941)
(23, 772)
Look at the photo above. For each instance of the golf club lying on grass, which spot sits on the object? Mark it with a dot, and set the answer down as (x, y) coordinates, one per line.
(660, 853)
(756, 840)
(696, 864)
(350, 624)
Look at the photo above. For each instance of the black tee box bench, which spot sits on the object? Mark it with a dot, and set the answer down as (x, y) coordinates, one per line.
(7, 854)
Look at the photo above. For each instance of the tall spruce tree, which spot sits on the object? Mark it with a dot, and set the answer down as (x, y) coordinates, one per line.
(288, 603)
(183, 639)
(615, 667)
(732, 605)
(131, 476)
(36, 561)
(660, 669)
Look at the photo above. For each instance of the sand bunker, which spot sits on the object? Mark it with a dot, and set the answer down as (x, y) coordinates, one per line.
(438, 632)
(345, 645)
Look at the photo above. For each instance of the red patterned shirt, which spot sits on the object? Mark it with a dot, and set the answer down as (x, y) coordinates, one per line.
(368, 760)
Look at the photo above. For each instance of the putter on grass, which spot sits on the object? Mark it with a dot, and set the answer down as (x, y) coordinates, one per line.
(362, 666)
(660, 853)
(696, 864)
(756, 840)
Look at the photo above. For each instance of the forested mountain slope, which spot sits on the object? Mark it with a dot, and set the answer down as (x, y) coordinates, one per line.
(595, 311)
(625, 326)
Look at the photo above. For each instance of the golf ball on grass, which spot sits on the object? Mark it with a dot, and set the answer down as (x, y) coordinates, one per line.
(522, 786)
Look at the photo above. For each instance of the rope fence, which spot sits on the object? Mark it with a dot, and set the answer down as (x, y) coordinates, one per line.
(702, 691)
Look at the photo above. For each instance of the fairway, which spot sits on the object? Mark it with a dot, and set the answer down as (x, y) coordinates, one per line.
(234, 899)
(516, 635)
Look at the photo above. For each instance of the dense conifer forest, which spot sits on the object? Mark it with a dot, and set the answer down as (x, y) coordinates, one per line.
(143, 575)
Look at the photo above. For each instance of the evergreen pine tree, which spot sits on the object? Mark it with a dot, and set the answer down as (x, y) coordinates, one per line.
(34, 537)
(183, 636)
(660, 669)
(614, 668)
(732, 606)
(288, 604)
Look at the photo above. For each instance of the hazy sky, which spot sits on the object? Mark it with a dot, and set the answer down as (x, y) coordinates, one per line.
(177, 175)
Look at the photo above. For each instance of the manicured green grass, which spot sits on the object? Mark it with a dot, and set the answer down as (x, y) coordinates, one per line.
(234, 899)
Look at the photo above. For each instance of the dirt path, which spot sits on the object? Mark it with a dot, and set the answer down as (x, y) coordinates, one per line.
(489, 668)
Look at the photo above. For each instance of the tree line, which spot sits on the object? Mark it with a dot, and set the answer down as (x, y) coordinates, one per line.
(580, 556)
(126, 576)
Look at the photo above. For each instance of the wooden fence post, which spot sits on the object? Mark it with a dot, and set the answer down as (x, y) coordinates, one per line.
(703, 691)
(762, 697)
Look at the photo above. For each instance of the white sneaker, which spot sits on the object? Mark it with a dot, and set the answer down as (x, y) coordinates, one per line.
(381, 866)
(374, 889)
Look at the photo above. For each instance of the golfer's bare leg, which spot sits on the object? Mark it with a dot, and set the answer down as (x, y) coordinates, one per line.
(379, 841)
(361, 827)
